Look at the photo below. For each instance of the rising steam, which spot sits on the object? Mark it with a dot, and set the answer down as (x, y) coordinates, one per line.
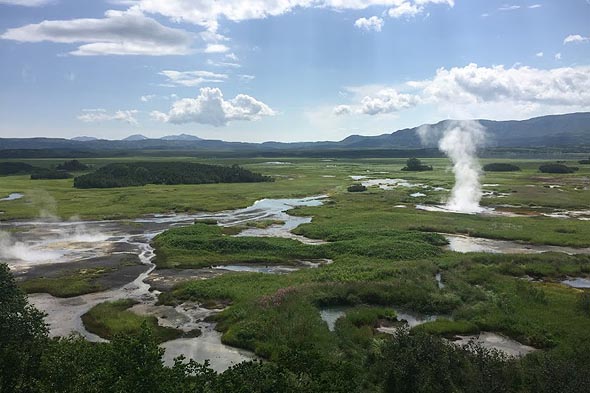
(460, 140)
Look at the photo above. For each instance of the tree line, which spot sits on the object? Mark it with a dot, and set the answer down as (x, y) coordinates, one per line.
(142, 173)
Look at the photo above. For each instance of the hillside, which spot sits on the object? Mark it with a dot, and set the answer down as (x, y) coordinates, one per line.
(568, 130)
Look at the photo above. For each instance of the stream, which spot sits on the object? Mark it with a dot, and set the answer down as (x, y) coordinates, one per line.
(30, 245)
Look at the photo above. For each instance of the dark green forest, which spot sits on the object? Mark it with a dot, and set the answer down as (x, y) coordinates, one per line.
(142, 173)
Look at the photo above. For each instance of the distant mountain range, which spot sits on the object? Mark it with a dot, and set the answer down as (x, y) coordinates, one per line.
(568, 130)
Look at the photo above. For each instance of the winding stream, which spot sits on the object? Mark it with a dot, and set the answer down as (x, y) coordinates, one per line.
(27, 245)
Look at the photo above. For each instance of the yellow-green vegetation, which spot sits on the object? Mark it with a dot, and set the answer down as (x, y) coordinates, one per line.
(112, 318)
(262, 224)
(67, 285)
(202, 245)
(304, 177)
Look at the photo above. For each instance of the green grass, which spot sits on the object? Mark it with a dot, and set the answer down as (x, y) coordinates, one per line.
(111, 318)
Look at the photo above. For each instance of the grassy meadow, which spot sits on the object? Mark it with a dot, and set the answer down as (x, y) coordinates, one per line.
(385, 256)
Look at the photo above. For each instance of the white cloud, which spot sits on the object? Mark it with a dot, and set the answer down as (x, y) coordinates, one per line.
(99, 115)
(342, 110)
(147, 97)
(222, 64)
(387, 101)
(558, 56)
(508, 7)
(232, 56)
(119, 33)
(192, 78)
(211, 108)
(573, 38)
(27, 3)
(539, 54)
(406, 9)
(484, 91)
(207, 13)
(533, 6)
(373, 23)
(246, 77)
(216, 48)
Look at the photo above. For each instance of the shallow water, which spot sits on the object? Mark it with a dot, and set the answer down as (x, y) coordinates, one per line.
(498, 342)
(331, 315)
(465, 244)
(577, 282)
(35, 243)
(12, 197)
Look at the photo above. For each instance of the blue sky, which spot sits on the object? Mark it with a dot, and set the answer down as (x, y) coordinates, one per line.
(286, 70)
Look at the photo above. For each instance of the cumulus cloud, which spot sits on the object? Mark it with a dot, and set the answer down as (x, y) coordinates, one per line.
(147, 97)
(558, 56)
(387, 101)
(192, 78)
(539, 54)
(209, 107)
(118, 33)
(99, 115)
(342, 110)
(207, 13)
(373, 23)
(484, 91)
(573, 38)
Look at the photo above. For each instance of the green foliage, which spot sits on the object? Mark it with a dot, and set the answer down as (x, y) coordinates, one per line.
(415, 165)
(557, 168)
(48, 174)
(370, 316)
(501, 167)
(23, 333)
(72, 166)
(15, 168)
(446, 327)
(356, 188)
(112, 318)
(142, 173)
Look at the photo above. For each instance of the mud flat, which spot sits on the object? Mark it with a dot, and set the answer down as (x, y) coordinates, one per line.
(465, 244)
(46, 248)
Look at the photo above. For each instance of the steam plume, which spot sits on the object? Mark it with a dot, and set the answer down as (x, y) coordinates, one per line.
(459, 140)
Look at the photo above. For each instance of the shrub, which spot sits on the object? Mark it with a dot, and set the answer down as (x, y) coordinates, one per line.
(48, 174)
(15, 168)
(73, 166)
(557, 168)
(500, 167)
(415, 165)
(356, 188)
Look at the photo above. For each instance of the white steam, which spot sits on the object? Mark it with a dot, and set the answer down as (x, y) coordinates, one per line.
(460, 140)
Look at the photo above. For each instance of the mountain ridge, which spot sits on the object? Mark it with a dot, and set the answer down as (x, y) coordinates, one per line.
(565, 130)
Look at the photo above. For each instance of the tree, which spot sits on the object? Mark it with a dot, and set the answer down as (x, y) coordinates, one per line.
(415, 165)
(23, 337)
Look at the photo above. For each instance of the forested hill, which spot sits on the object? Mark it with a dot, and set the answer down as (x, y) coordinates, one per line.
(568, 130)
(142, 173)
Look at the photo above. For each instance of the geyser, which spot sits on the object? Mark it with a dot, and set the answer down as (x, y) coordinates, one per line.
(459, 140)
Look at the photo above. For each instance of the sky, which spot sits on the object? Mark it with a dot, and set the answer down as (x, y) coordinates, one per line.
(285, 70)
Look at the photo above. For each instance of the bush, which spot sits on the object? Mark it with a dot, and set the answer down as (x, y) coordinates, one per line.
(48, 174)
(415, 165)
(501, 167)
(584, 162)
(557, 168)
(356, 188)
(73, 166)
(15, 168)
